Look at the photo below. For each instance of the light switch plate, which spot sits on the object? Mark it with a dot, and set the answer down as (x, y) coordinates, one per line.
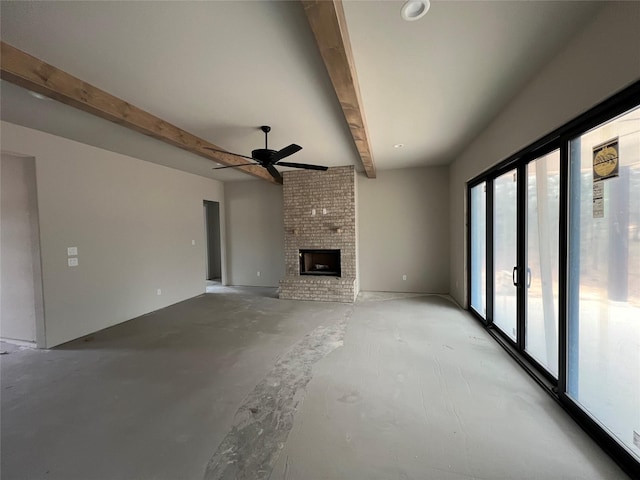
(72, 262)
(71, 251)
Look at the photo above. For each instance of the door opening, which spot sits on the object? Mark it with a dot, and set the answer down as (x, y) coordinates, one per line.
(21, 303)
(212, 229)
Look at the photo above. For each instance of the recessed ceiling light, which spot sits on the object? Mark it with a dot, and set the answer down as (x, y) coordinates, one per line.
(414, 9)
(398, 145)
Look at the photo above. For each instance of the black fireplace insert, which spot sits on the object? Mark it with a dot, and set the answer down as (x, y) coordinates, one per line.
(320, 262)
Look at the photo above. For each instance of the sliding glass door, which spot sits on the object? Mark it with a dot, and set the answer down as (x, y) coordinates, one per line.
(525, 246)
(604, 277)
(554, 265)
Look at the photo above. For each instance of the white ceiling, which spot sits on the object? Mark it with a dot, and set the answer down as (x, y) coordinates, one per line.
(219, 70)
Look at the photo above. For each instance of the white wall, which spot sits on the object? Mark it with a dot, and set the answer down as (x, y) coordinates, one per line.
(133, 223)
(599, 61)
(255, 233)
(21, 316)
(403, 229)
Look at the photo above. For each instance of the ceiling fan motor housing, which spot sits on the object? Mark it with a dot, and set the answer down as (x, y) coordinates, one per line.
(263, 155)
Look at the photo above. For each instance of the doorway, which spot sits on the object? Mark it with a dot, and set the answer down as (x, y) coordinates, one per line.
(21, 303)
(212, 231)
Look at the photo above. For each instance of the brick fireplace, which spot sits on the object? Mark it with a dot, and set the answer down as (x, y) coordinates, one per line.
(320, 235)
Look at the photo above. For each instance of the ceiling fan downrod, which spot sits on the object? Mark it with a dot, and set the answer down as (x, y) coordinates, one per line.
(266, 129)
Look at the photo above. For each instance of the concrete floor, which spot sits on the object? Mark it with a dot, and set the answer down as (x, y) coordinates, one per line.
(240, 384)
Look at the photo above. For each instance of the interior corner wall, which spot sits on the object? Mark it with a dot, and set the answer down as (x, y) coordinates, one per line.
(133, 223)
(403, 229)
(599, 61)
(255, 233)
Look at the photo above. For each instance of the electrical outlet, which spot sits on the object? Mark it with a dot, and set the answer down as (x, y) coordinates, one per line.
(258, 273)
(404, 277)
(72, 262)
(72, 251)
(193, 242)
(313, 211)
(324, 211)
(159, 292)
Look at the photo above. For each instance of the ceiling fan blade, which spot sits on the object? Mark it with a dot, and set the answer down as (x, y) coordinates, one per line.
(285, 152)
(274, 173)
(234, 166)
(303, 165)
(229, 153)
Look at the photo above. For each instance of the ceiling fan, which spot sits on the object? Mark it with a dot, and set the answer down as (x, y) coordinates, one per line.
(269, 158)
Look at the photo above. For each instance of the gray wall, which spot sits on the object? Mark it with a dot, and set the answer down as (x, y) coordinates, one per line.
(255, 233)
(21, 280)
(133, 223)
(598, 62)
(403, 229)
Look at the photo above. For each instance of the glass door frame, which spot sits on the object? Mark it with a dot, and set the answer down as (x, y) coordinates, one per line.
(560, 139)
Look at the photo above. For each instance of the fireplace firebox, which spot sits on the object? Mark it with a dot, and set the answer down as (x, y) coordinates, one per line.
(320, 262)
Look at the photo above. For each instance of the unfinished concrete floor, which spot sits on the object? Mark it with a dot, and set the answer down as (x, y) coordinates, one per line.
(240, 384)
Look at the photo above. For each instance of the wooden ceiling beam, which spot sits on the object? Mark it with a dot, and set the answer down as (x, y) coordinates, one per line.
(328, 23)
(33, 74)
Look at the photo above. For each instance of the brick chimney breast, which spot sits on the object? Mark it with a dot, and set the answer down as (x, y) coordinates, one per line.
(319, 213)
